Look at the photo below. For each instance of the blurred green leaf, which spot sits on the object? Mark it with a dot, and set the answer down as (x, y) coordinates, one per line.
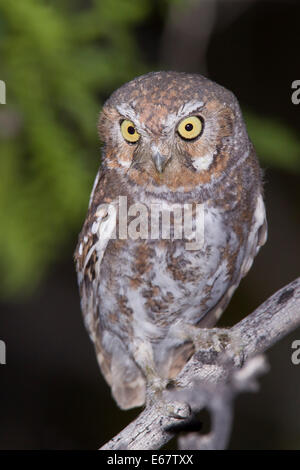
(276, 144)
(56, 61)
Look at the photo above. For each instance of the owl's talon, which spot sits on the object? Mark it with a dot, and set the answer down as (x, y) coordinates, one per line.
(212, 342)
(178, 410)
(155, 397)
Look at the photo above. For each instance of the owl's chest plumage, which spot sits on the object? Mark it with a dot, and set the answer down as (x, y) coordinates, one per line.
(148, 284)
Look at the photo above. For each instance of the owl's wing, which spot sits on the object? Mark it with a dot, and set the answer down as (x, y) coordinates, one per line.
(93, 240)
(121, 373)
(257, 236)
(256, 239)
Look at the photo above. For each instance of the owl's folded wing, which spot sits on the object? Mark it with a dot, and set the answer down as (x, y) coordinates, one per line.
(97, 230)
(256, 239)
(257, 236)
(121, 373)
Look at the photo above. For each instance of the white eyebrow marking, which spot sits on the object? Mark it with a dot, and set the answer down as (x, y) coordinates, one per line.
(188, 108)
(185, 110)
(127, 111)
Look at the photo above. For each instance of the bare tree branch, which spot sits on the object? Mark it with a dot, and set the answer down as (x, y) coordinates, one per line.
(210, 374)
(218, 399)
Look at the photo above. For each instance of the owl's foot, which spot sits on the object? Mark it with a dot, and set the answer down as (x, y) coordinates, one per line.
(156, 385)
(212, 343)
(155, 397)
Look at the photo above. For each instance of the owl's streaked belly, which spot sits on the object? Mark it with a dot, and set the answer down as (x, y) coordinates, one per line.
(147, 285)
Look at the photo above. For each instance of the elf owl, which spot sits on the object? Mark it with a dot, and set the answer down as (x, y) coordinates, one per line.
(170, 139)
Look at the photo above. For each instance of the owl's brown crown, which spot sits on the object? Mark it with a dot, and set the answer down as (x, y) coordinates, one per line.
(169, 90)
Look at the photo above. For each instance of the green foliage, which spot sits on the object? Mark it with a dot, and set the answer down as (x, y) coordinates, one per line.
(59, 60)
(56, 64)
(275, 143)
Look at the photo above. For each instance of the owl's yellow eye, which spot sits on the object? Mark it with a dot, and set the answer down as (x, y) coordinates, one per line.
(190, 127)
(129, 131)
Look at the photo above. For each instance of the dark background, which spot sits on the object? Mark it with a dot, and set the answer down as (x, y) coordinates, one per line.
(52, 395)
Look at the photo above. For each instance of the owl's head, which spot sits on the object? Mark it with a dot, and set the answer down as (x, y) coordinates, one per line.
(172, 129)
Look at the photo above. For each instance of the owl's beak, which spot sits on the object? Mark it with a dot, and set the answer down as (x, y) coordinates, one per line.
(159, 161)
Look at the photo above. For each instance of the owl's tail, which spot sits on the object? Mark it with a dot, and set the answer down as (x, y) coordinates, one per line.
(128, 385)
